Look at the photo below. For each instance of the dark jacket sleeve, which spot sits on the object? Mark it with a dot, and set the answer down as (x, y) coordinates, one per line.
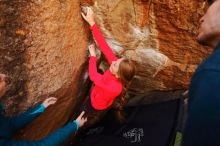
(54, 139)
(202, 127)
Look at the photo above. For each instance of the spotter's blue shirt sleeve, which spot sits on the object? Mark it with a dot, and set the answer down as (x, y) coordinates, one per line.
(8, 125)
(54, 139)
(38, 109)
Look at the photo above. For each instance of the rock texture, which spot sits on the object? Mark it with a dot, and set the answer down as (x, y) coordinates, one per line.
(42, 49)
(159, 35)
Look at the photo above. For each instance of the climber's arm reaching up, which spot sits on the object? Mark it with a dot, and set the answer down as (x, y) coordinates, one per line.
(103, 45)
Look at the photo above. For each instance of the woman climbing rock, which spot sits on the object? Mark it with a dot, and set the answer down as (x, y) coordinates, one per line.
(110, 85)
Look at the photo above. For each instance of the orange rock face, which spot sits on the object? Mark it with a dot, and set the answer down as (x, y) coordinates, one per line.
(159, 35)
(42, 48)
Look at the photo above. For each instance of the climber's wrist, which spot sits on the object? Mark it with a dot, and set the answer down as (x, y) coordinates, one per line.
(91, 23)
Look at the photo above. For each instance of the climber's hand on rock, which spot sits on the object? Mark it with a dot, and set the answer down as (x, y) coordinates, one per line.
(81, 120)
(92, 50)
(49, 101)
(89, 16)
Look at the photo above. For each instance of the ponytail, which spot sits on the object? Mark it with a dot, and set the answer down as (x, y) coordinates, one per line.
(126, 72)
(118, 106)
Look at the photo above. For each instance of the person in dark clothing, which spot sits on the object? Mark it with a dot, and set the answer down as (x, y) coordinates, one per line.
(203, 124)
(8, 125)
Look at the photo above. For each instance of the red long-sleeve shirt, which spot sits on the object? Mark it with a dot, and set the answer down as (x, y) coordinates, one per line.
(106, 87)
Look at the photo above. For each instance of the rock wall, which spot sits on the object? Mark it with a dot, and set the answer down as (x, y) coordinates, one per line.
(42, 49)
(159, 35)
